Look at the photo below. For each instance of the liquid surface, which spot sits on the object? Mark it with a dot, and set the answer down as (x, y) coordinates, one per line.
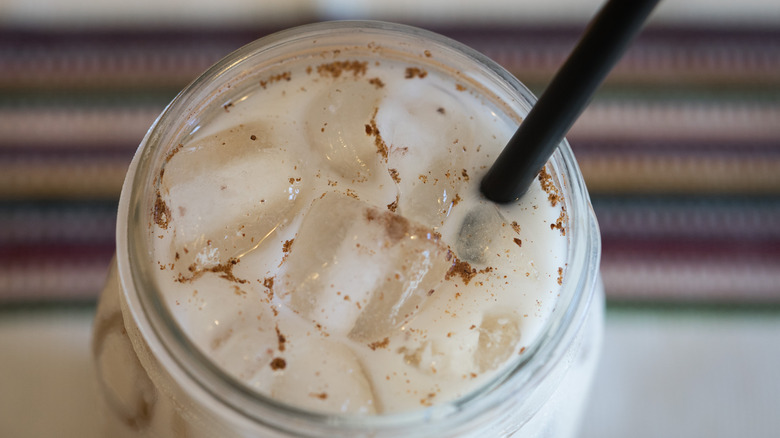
(321, 237)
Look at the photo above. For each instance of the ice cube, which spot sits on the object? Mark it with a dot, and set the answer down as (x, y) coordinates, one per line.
(428, 141)
(232, 323)
(122, 379)
(428, 197)
(226, 193)
(361, 271)
(322, 375)
(336, 127)
(499, 335)
(480, 233)
(451, 349)
(444, 356)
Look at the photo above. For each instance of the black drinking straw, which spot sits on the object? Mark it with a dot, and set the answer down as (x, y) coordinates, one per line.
(606, 38)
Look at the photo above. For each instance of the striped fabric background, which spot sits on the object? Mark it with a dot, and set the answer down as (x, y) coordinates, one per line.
(680, 150)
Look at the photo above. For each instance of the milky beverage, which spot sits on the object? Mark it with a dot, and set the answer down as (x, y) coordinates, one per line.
(319, 237)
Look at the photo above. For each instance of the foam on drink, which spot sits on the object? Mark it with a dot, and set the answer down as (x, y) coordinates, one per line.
(322, 238)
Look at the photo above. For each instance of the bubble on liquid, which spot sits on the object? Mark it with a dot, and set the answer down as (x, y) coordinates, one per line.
(481, 234)
(321, 375)
(252, 186)
(336, 128)
(361, 271)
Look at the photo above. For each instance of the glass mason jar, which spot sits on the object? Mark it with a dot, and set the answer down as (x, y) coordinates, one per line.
(155, 383)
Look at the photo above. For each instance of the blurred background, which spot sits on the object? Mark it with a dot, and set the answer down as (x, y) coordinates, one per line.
(680, 150)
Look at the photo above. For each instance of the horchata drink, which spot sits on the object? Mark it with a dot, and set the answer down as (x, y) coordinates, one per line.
(303, 251)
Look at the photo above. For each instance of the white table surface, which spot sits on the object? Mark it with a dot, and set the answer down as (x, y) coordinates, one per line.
(662, 374)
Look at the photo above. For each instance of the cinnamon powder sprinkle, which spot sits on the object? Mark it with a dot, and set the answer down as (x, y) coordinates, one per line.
(373, 130)
(268, 283)
(336, 68)
(225, 270)
(278, 364)
(376, 82)
(415, 72)
(393, 206)
(280, 338)
(168, 158)
(516, 227)
(321, 395)
(276, 78)
(286, 248)
(394, 175)
(461, 269)
(384, 343)
(162, 214)
(428, 400)
(559, 223)
(396, 227)
(553, 195)
(518, 242)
